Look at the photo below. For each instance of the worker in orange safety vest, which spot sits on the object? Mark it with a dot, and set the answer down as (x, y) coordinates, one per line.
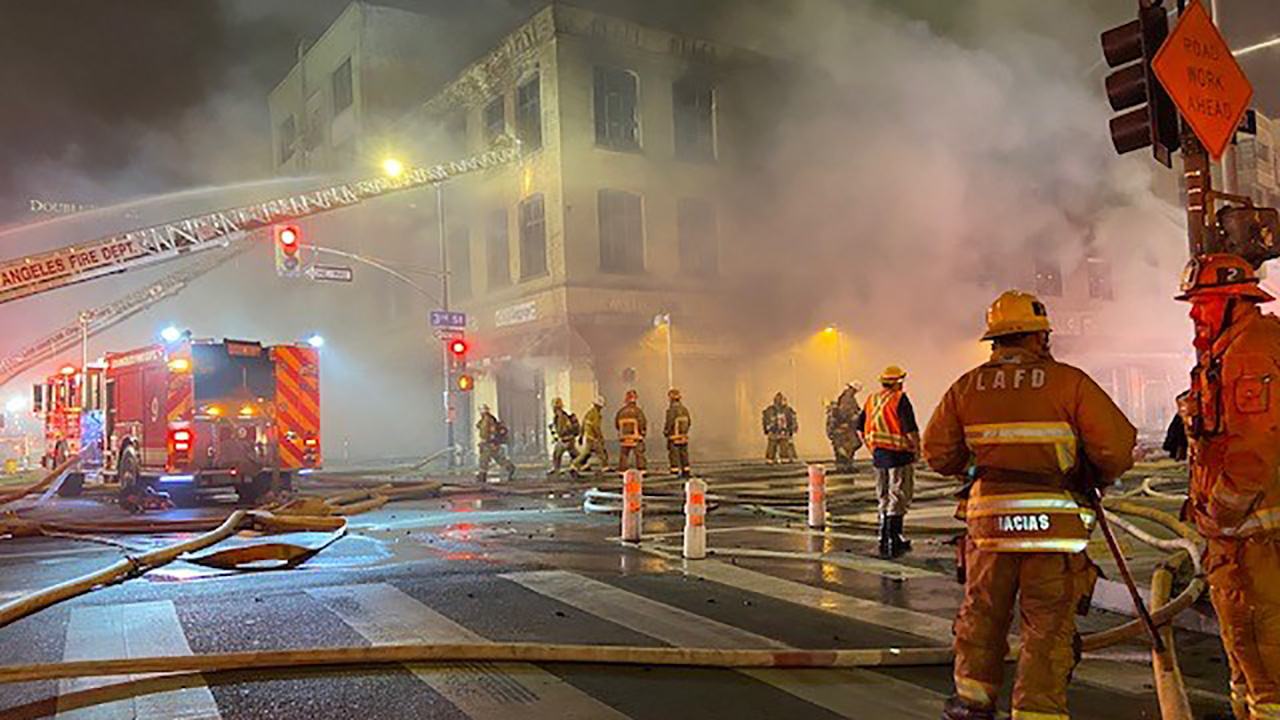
(1025, 429)
(632, 427)
(1233, 433)
(888, 427)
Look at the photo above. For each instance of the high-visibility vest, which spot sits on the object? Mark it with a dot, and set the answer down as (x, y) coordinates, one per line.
(1005, 516)
(883, 426)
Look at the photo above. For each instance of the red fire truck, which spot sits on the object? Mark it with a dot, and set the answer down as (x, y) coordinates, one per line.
(196, 414)
(70, 404)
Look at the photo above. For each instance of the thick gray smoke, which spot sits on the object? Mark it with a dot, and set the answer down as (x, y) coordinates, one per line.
(916, 174)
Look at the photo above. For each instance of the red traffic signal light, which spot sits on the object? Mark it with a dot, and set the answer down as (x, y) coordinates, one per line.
(288, 241)
(288, 237)
(466, 383)
(458, 346)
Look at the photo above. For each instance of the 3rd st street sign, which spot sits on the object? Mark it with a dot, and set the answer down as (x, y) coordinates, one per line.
(1196, 67)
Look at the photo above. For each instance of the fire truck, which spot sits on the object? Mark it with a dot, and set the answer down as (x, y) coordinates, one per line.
(188, 416)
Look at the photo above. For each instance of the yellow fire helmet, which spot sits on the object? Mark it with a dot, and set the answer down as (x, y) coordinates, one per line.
(1016, 312)
(893, 374)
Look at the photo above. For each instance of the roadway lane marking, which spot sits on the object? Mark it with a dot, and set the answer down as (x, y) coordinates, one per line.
(853, 693)
(128, 631)
(385, 615)
(859, 563)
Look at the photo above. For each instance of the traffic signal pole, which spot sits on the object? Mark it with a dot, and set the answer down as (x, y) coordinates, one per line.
(1199, 183)
(449, 409)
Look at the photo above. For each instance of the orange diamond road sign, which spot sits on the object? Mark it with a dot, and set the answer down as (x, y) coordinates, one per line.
(1202, 76)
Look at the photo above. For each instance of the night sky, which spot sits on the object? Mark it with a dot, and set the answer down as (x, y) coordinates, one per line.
(106, 100)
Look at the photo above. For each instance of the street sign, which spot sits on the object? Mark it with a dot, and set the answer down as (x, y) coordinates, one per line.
(1196, 67)
(335, 273)
(447, 319)
(450, 333)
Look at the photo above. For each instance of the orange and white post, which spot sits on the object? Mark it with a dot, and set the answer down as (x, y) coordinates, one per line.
(632, 506)
(695, 519)
(817, 497)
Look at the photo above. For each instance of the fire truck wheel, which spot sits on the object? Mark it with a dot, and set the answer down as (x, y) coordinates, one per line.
(60, 453)
(72, 486)
(129, 474)
(250, 491)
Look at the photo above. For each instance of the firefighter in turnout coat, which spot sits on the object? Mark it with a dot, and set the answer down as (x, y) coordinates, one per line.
(1233, 433)
(493, 436)
(564, 432)
(593, 446)
(843, 418)
(1024, 428)
(780, 426)
(676, 430)
(632, 427)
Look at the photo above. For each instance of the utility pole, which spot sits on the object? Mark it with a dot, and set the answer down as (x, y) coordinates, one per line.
(449, 410)
(1230, 183)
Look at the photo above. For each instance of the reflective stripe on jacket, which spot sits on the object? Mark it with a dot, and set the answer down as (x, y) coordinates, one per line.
(1060, 436)
(631, 425)
(678, 422)
(1025, 517)
(883, 426)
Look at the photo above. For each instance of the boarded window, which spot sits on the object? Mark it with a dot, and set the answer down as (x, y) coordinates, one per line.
(498, 249)
(696, 231)
(1048, 278)
(495, 119)
(621, 232)
(694, 108)
(288, 138)
(617, 125)
(460, 263)
(529, 113)
(533, 238)
(343, 94)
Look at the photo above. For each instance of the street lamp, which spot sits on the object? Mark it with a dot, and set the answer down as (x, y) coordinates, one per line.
(834, 332)
(171, 334)
(392, 167)
(316, 340)
(664, 320)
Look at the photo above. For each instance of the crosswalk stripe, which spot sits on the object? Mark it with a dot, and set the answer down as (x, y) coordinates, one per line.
(385, 615)
(851, 693)
(127, 631)
(1128, 678)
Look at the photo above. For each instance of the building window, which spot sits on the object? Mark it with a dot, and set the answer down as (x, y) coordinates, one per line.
(498, 250)
(529, 113)
(621, 232)
(288, 138)
(342, 89)
(1099, 279)
(455, 131)
(693, 103)
(533, 238)
(696, 233)
(460, 263)
(1048, 278)
(617, 126)
(495, 119)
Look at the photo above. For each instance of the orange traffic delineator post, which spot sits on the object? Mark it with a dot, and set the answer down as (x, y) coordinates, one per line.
(695, 519)
(632, 506)
(817, 497)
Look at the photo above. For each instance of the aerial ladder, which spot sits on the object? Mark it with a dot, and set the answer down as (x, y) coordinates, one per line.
(228, 229)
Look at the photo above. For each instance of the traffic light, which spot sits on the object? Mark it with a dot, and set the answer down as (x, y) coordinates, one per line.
(457, 354)
(288, 242)
(1151, 119)
(465, 383)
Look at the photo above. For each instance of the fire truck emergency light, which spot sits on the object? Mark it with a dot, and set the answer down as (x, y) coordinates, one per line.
(171, 334)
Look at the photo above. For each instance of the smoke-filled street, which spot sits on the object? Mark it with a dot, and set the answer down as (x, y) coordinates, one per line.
(640, 359)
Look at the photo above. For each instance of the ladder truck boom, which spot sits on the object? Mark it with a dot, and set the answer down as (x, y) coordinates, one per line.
(144, 247)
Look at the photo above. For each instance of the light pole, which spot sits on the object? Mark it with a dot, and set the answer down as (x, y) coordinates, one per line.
(834, 332)
(664, 320)
(85, 318)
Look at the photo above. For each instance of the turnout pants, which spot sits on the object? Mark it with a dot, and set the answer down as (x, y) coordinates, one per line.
(1244, 584)
(562, 447)
(678, 457)
(592, 449)
(637, 450)
(489, 454)
(895, 487)
(780, 448)
(844, 445)
(1048, 588)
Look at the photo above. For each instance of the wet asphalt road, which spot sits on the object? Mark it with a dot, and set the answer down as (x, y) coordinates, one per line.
(486, 565)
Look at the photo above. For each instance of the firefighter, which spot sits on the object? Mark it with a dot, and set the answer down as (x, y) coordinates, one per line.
(676, 430)
(888, 427)
(1025, 429)
(1233, 433)
(780, 426)
(632, 427)
(493, 436)
(564, 431)
(843, 418)
(593, 446)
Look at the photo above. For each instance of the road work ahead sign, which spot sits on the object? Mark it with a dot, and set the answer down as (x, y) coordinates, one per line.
(1206, 83)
